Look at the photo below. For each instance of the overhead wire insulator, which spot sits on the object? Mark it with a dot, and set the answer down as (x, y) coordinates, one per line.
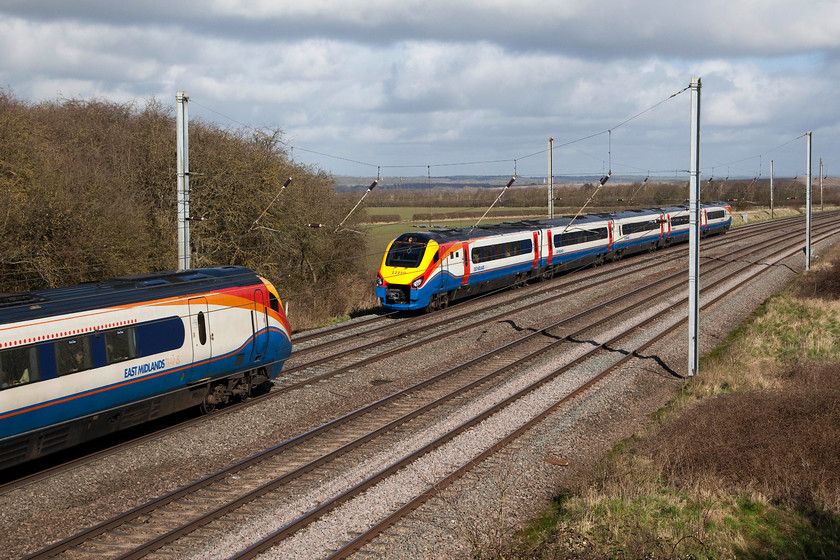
(286, 184)
(498, 198)
(367, 192)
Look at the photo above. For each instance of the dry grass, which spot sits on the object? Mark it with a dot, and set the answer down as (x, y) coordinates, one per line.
(312, 309)
(781, 443)
(741, 217)
(744, 464)
(765, 415)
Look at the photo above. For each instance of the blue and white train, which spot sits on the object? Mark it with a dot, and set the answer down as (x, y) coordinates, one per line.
(428, 269)
(83, 361)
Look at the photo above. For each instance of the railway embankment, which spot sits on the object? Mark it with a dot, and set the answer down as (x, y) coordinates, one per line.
(636, 503)
(744, 463)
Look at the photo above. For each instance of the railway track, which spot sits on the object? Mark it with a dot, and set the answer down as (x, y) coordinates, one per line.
(385, 336)
(425, 329)
(252, 489)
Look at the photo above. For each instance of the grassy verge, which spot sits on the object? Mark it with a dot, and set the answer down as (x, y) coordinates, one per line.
(745, 463)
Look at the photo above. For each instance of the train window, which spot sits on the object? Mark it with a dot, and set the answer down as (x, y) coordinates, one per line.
(202, 328)
(72, 355)
(159, 336)
(502, 250)
(679, 220)
(637, 227)
(527, 247)
(273, 302)
(120, 345)
(19, 366)
(580, 236)
(717, 214)
(406, 251)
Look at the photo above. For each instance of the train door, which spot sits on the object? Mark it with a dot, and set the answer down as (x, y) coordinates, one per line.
(466, 249)
(453, 265)
(202, 336)
(259, 322)
(549, 254)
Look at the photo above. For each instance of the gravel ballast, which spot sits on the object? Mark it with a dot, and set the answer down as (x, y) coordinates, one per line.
(57, 507)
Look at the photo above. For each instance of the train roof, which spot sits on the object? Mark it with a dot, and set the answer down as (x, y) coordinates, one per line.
(444, 235)
(120, 291)
(641, 212)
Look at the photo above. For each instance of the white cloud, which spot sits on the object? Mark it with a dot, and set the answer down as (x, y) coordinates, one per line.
(434, 80)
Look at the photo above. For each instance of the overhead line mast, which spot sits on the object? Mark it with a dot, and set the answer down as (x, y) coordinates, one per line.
(183, 186)
(694, 233)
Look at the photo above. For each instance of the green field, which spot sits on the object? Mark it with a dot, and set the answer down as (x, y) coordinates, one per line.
(407, 213)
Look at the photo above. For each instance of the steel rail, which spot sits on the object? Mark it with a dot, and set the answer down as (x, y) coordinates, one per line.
(221, 511)
(316, 513)
(749, 231)
(355, 544)
(417, 385)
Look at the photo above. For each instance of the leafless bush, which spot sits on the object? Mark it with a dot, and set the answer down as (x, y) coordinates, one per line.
(87, 191)
(782, 443)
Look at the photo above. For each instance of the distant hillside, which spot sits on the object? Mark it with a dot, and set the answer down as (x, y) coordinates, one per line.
(344, 182)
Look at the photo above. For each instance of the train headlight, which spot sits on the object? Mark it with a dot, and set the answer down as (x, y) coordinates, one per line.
(417, 282)
(379, 281)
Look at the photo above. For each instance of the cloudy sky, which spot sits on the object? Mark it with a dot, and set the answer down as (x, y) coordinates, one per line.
(471, 87)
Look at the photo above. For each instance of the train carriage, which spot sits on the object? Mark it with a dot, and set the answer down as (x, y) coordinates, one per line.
(428, 269)
(576, 242)
(677, 226)
(509, 254)
(80, 362)
(637, 230)
(715, 218)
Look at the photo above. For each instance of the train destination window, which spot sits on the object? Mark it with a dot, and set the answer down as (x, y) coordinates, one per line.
(72, 355)
(19, 366)
(679, 220)
(120, 345)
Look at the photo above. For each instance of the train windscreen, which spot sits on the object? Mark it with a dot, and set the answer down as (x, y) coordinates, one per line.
(407, 251)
